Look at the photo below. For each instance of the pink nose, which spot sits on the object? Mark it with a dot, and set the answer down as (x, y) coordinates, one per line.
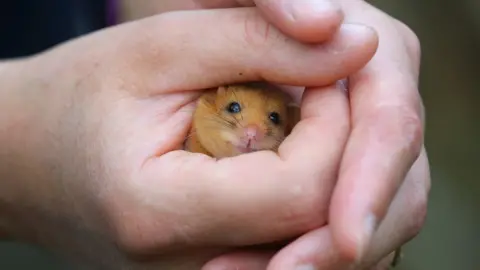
(253, 132)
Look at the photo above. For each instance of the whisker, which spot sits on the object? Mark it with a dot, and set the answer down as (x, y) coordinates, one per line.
(229, 122)
(238, 122)
(218, 119)
(194, 131)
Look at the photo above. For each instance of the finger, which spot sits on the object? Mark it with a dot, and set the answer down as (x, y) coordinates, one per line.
(241, 260)
(385, 263)
(259, 260)
(233, 45)
(321, 109)
(407, 213)
(310, 21)
(311, 251)
(386, 135)
(306, 21)
(318, 249)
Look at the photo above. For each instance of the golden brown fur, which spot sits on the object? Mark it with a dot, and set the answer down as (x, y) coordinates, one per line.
(218, 132)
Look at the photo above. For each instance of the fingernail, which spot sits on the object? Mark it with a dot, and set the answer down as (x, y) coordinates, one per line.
(306, 267)
(350, 35)
(369, 228)
(306, 9)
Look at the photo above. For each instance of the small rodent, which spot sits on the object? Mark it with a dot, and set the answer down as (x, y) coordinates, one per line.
(241, 118)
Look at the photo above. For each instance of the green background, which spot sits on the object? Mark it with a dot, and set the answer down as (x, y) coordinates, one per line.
(449, 32)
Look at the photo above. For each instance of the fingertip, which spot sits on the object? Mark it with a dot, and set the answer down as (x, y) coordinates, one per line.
(358, 43)
(308, 21)
(352, 229)
(346, 245)
(344, 229)
(363, 35)
(241, 260)
(314, 250)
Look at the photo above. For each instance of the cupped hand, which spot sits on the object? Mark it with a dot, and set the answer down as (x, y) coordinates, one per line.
(95, 155)
(380, 200)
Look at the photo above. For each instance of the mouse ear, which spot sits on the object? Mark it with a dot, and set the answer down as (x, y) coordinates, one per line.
(208, 97)
(293, 116)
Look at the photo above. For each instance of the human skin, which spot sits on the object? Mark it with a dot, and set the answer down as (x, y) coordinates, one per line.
(380, 200)
(90, 165)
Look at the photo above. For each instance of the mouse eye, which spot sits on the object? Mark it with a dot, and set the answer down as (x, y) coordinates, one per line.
(274, 117)
(234, 107)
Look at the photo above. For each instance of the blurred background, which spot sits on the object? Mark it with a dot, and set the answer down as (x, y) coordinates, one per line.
(449, 32)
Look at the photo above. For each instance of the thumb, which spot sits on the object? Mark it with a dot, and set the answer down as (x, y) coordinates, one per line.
(190, 50)
(308, 21)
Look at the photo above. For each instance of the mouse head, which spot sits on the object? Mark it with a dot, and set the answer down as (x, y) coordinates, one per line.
(247, 118)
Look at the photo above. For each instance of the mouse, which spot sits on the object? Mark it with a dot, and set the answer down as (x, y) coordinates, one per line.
(241, 118)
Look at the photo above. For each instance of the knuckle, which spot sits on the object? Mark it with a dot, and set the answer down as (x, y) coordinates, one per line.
(419, 216)
(412, 128)
(401, 126)
(419, 208)
(259, 33)
(412, 41)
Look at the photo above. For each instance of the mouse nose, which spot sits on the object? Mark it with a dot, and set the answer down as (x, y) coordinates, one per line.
(253, 132)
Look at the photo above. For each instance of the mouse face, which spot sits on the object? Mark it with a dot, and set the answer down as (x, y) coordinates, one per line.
(242, 118)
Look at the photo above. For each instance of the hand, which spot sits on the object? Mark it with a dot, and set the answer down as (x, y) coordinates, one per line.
(380, 200)
(90, 133)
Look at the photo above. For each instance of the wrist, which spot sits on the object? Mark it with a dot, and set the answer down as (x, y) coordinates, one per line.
(18, 190)
(10, 120)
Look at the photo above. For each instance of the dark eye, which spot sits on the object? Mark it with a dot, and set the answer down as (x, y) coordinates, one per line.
(234, 107)
(274, 117)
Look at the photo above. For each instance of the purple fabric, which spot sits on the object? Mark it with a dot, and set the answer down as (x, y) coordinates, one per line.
(111, 12)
